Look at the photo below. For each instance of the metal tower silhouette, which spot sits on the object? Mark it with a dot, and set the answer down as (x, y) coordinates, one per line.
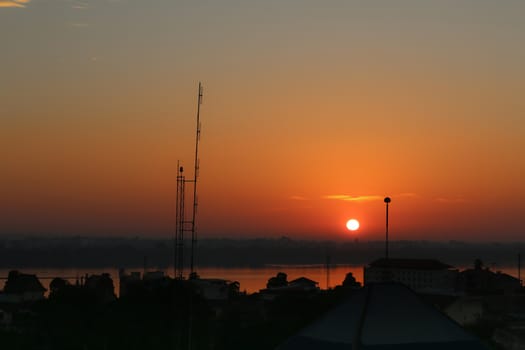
(181, 222)
(178, 264)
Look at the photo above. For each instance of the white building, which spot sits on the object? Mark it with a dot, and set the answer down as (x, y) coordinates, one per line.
(421, 275)
(214, 288)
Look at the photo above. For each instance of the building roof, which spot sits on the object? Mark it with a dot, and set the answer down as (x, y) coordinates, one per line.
(410, 264)
(383, 316)
(303, 280)
(489, 273)
(20, 283)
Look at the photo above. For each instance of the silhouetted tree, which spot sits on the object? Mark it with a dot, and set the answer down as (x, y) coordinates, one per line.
(277, 281)
(57, 285)
(350, 282)
(234, 289)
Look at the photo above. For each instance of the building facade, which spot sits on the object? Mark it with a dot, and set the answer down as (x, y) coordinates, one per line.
(420, 275)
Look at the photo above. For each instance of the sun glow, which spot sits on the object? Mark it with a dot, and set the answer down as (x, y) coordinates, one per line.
(352, 224)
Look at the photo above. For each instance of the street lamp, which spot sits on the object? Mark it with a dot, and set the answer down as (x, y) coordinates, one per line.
(387, 200)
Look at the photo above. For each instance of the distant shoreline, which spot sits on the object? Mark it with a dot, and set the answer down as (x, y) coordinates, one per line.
(84, 252)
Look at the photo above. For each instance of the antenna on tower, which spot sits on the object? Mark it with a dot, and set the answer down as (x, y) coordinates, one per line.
(195, 176)
(181, 223)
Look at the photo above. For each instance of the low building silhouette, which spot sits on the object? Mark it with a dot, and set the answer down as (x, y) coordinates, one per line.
(148, 283)
(101, 286)
(303, 284)
(481, 281)
(128, 281)
(215, 288)
(421, 275)
(21, 287)
(279, 285)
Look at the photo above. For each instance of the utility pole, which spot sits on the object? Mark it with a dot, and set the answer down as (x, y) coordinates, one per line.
(328, 270)
(519, 268)
(387, 201)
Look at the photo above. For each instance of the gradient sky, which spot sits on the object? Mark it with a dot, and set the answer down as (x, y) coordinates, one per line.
(313, 112)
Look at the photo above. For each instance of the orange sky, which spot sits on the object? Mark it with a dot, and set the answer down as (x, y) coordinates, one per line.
(304, 106)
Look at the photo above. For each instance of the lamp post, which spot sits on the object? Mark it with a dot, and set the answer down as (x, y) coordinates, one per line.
(387, 200)
(519, 268)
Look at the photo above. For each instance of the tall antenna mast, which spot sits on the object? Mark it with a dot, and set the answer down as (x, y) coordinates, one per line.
(195, 176)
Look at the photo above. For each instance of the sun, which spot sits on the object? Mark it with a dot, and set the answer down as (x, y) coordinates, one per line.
(352, 224)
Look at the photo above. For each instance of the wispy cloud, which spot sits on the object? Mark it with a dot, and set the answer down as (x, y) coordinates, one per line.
(14, 3)
(347, 198)
(451, 200)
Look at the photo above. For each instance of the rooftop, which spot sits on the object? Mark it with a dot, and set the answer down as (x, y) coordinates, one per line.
(383, 316)
(19, 283)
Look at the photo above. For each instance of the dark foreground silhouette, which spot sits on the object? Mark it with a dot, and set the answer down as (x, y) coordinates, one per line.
(157, 312)
(165, 317)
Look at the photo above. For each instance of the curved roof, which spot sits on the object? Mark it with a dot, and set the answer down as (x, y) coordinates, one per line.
(383, 316)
